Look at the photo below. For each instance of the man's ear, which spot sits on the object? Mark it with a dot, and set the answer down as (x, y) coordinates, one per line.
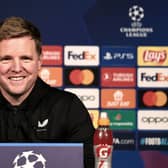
(40, 61)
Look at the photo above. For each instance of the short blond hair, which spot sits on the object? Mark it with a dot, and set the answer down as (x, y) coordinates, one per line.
(13, 27)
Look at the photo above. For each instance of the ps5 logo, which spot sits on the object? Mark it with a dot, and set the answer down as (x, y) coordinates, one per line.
(118, 55)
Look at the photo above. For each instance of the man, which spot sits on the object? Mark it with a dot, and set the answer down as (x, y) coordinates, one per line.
(31, 110)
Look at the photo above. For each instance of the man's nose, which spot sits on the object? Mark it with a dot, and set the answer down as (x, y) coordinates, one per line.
(16, 65)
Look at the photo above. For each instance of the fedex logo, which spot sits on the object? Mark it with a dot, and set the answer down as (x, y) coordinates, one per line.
(85, 55)
(155, 77)
(81, 55)
(152, 77)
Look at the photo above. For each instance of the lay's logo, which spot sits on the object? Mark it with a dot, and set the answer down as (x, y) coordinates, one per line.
(153, 56)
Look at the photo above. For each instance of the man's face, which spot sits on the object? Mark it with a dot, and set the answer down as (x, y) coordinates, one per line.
(19, 66)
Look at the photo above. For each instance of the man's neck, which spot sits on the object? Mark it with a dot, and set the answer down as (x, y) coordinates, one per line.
(15, 100)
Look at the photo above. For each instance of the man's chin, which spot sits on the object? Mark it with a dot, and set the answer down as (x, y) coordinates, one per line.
(16, 94)
(15, 91)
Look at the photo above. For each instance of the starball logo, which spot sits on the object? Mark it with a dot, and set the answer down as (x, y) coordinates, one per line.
(136, 14)
(152, 56)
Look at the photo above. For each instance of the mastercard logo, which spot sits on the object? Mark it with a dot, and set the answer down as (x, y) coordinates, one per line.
(78, 77)
(154, 98)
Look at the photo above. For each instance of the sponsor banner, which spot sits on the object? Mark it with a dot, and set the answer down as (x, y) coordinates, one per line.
(118, 77)
(152, 140)
(51, 75)
(155, 98)
(122, 119)
(152, 119)
(153, 77)
(94, 114)
(90, 97)
(118, 98)
(81, 55)
(81, 76)
(152, 56)
(118, 56)
(124, 140)
(52, 55)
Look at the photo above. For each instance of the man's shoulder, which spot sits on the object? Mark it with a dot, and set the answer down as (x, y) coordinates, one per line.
(59, 94)
(52, 92)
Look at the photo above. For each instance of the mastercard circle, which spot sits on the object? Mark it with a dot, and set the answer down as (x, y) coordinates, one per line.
(149, 98)
(84, 77)
(88, 76)
(161, 98)
(76, 77)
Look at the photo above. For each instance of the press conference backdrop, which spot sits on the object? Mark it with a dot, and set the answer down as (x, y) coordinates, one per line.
(114, 56)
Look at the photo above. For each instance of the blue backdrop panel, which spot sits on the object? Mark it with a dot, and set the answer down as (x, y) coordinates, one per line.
(102, 23)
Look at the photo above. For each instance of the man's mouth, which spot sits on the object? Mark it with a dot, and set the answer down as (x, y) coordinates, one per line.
(16, 78)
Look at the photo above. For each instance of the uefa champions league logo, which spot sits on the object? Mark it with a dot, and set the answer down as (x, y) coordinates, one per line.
(136, 29)
(29, 159)
(136, 13)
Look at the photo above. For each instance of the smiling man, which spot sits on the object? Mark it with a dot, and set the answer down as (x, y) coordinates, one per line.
(31, 110)
(19, 65)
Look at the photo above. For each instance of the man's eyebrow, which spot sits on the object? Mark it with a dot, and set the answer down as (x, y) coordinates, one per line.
(26, 56)
(5, 56)
(19, 56)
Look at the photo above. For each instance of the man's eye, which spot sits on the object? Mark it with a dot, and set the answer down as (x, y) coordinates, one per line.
(5, 59)
(25, 58)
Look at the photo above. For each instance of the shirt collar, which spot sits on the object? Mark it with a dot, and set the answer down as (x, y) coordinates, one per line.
(37, 93)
